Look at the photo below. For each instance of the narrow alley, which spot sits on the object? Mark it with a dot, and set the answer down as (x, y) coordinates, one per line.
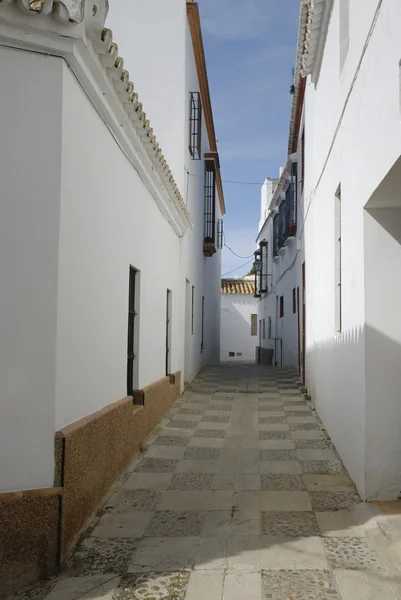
(239, 493)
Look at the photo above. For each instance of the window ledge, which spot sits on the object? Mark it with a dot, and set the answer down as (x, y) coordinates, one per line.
(209, 248)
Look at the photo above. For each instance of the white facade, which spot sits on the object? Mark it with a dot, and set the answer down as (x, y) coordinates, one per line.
(345, 122)
(87, 193)
(279, 284)
(238, 340)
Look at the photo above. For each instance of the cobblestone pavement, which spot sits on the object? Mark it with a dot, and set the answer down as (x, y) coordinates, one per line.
(240, 494)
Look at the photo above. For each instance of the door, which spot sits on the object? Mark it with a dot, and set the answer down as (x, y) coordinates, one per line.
(303, 322)
(131, 331)
(299, 332)
(168, 332)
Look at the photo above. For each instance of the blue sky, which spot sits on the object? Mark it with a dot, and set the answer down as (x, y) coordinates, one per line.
(250, 50)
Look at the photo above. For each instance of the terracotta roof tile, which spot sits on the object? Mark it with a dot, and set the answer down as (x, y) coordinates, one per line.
(237, 286)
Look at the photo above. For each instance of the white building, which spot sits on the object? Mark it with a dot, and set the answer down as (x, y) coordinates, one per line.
(239, 325)
(280, 277)
(353, 234)
(345, 259)
(104, 237)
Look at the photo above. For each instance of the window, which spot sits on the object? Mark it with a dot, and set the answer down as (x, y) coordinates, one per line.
(260, 267)
(231, 354)
(168, 332)
(195, 125)
(131, 331)
(289, 209)
(303, 158)
(210, 202)
(269, 328)
(220, 233)
(264, 328)
(257, 268)
(281, 307)
(254, 324)
(263, 268)
(294, 300)
(193, 310)
(275, 235)
(338, 289)
(203, 323)
(344, 32)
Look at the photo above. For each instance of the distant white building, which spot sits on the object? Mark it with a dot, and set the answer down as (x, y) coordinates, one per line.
(110, 252)
(280, 263)
(239, 320)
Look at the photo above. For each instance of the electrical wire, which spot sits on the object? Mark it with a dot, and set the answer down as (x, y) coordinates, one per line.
(237, 269)
(235, 254)
(230, 181)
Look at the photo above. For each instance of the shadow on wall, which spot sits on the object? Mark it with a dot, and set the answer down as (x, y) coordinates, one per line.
(362, 419)
(236, 330)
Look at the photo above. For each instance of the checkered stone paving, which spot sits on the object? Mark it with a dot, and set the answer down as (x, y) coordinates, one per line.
(175, 524)
(350, 553)
(299, 585)
(153, 586)
(169, 440)
(217, 499)
(289, 524)
(282, 482)
(191, 481)
(199, 453)
(98, 555)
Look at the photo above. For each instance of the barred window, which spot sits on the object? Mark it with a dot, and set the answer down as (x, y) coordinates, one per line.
(195, 125)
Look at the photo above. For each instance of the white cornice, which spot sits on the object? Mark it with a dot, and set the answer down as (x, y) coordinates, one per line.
(90, 52)
(65, 11)
(316, 31)
(303, 19)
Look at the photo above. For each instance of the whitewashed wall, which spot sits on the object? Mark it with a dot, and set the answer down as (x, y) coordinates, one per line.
(72, 225)
(104, 211)
(284, 274)
(30, 168)
(353, 378)
(164, 81)
(236, 311)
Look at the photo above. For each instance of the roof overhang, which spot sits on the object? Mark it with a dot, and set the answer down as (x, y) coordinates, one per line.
(200, 61)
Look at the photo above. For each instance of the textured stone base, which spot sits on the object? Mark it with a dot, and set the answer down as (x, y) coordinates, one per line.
(98, 447)
(28, 540)
(39, 529)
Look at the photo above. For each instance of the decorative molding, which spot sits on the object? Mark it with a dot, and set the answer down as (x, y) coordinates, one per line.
(316, 31)
(298, 81)
(65, 11)
(93, 57)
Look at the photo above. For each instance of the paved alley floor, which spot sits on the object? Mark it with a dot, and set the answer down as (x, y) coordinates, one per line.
(238, 495)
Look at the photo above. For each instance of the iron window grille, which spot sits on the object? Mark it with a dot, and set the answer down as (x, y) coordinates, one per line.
(195, 125)
(131, 332)
(263, 269)
(220, 233)
(275, 235)
(257, 269)
(210, 202)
